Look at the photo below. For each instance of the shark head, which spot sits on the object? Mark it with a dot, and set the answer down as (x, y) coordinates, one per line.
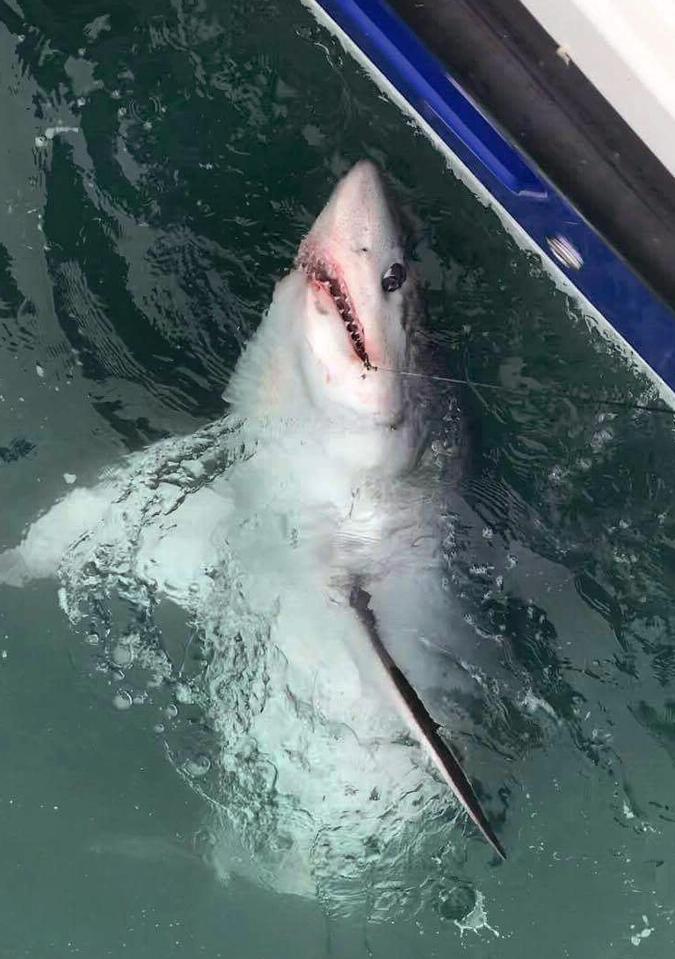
(338, 329)
(357, 299)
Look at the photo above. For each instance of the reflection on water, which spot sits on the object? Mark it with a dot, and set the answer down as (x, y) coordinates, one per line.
(161, 164)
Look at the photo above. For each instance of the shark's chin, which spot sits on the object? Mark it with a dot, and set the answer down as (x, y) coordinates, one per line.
(368, 403)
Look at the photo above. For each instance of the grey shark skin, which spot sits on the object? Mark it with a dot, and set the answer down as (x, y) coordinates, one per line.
(337, 537)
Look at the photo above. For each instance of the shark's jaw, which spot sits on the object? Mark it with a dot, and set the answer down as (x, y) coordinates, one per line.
(325, 276)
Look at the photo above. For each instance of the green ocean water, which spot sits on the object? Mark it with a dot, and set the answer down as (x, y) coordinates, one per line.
(160, 162)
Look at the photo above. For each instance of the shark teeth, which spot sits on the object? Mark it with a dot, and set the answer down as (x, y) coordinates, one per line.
(319, 271)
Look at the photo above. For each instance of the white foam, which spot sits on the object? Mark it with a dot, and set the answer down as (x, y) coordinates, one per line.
(43, 139)
(476, 919)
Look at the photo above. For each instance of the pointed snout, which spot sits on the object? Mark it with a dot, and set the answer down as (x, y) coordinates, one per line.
(359, 191)
(357, 217)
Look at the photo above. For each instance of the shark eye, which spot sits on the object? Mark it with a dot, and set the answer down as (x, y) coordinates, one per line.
(394, 278)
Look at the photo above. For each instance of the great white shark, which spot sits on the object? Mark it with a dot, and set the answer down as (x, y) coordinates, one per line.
(325, 513)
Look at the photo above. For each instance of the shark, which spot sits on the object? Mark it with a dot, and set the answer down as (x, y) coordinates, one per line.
(318, 499)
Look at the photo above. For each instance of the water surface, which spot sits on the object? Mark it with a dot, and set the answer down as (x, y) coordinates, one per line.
(161, 163)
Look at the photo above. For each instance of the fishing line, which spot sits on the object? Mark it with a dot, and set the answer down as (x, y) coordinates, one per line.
(586, 400)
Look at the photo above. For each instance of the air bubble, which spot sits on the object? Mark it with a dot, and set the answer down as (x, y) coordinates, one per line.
(122, 700)
(198, 766)
(122, 655)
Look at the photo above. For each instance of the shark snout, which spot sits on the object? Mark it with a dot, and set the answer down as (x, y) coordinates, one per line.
(357, 219)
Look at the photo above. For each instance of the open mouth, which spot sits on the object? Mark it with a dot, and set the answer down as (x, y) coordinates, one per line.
(319, 272)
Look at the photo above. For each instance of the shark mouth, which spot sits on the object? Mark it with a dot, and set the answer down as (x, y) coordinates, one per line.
(318, 271)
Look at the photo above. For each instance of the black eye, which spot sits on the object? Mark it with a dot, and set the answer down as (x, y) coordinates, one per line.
(394, 278)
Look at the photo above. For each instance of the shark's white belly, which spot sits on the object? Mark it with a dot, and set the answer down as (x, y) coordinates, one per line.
(344, 772)
(344, 766)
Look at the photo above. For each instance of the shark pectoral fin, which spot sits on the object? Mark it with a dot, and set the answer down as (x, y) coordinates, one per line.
(47, 540)
(422, 724)
(460, 784)
(443, 757)
(13, 569)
